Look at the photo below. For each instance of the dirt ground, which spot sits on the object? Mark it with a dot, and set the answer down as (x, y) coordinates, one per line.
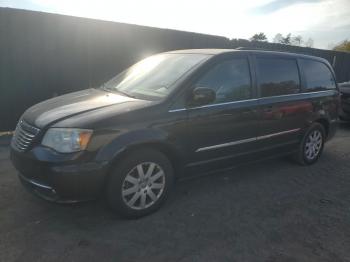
(267, 211)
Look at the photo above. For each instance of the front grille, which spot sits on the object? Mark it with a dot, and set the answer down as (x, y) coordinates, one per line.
(24, 136)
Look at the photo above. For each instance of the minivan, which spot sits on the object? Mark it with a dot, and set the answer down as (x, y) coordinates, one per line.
(173, 115)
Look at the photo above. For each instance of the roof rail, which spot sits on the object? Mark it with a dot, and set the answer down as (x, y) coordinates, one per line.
(252, 48)
(242, 48)
(263, 49)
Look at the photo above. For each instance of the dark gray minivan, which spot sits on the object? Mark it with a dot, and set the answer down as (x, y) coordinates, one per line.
(171, 115)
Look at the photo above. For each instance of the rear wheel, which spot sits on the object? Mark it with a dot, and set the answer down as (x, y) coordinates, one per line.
(312, 144)
(140, 183)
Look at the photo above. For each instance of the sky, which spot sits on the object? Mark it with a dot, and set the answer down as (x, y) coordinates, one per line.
(327, 22)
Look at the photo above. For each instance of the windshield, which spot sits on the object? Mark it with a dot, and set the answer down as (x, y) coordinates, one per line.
(153, 78)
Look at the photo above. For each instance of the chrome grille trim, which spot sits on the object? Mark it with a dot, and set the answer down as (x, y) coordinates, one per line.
(24, 136)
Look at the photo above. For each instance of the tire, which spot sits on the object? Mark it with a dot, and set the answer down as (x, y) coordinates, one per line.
(311, 146)
(140, 183)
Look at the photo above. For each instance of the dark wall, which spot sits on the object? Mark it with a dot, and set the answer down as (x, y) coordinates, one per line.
(42, 55)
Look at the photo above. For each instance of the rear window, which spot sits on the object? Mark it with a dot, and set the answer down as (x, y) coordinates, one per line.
(278, 76)
(317, 75)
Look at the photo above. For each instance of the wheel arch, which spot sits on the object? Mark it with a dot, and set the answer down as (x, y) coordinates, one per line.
(325, 123)
(168, 150)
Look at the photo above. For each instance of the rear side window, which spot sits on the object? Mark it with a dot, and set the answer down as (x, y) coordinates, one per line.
(317, 75)
(278, 76)
(230, 80)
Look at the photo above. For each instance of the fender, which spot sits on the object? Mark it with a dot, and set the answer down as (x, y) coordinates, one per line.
(125, 141)
(325, 113)
(324, 106)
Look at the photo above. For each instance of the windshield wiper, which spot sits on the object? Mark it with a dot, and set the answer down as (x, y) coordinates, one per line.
(124, 93)
(105, 88)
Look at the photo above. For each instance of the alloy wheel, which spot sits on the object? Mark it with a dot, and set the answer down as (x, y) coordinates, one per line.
(143, 185)
(313, 144)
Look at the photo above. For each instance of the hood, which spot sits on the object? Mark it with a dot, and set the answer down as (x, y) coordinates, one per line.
(62, 107)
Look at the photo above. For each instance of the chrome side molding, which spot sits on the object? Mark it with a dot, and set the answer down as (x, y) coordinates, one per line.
(213, 105)
(237, 142)
(227, 144)
(331, 91)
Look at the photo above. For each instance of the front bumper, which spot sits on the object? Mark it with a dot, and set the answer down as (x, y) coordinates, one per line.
(68, 181)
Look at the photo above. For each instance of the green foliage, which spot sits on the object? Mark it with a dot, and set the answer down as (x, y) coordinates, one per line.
(343, 46)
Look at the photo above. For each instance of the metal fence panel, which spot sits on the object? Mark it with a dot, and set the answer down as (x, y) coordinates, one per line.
(43, 55)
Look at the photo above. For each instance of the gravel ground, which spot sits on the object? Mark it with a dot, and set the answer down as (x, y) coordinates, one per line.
(267, 211)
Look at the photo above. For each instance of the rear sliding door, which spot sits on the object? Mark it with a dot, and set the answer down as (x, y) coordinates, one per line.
(282, 105)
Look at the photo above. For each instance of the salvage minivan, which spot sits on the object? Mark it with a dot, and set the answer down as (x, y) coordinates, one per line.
(172, 115)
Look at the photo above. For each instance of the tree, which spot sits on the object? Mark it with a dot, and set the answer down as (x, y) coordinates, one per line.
(343, 46)
(297, 40)
(289, 39)
(309, 42)
(259, 37)
(278, 38)
(286, 40)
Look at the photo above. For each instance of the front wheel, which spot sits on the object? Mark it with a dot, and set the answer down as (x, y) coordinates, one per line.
(311, 146)
(140, 183)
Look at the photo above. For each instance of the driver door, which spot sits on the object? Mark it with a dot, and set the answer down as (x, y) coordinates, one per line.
(228, 126)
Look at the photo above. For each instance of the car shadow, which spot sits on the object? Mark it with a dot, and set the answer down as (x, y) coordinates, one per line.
(344, 125)
(195, 187)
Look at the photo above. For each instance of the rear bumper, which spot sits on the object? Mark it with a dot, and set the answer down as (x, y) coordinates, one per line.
(333, 127)
(60, 182)
(344, 115)
(344, 112)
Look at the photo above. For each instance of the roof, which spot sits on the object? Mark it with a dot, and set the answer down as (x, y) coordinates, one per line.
(209, 51)
(214, 51)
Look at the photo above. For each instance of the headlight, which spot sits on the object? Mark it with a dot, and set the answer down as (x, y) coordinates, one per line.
(67, 140)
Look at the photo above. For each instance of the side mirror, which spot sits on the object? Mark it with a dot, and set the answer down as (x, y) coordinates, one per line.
(203, 96)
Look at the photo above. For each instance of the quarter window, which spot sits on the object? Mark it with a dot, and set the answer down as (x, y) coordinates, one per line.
(317, 75)
(229, 79)
(278, 76)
